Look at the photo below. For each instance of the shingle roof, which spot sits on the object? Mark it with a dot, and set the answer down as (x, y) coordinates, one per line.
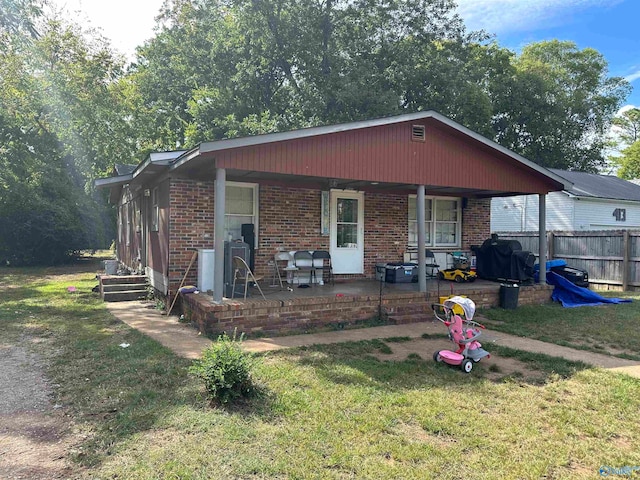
(599, 186)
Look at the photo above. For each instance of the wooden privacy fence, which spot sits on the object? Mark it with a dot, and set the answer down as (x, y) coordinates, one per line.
(611, 257)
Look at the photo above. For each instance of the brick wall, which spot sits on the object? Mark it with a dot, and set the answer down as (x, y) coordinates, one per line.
(190, 227)
(386, 229)
(476, 222)
(289, 219)
(299, 315)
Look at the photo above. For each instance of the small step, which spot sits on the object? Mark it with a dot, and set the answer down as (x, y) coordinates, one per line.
(122, 279)
(121, 287)
(125, 295)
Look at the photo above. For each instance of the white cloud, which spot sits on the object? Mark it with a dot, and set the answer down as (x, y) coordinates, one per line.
(503, 16)
(633, 77)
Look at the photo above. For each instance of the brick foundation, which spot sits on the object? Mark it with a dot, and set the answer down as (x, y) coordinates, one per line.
(299, 315)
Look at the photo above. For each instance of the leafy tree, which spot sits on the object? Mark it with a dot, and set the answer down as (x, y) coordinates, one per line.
(630, 162)
(559, 107)
(221, 68)
(58, 121)
(627, 126)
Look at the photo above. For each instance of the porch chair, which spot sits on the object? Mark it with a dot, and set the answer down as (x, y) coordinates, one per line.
(432, 266)
(243, 273)
(303, 261)
(323, 264)
(282, 264)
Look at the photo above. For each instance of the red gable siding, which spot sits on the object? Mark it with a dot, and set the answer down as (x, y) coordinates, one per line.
(387, 154)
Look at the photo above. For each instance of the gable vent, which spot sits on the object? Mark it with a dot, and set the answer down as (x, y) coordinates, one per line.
(418, 133)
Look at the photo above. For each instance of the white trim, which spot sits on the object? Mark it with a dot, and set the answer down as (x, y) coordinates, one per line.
(155, 209)
(157, 280)
(256, 205)
(337, 253)
(433, 221)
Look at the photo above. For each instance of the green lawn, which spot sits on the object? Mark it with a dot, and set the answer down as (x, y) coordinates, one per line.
(613, 329)
(325, 412)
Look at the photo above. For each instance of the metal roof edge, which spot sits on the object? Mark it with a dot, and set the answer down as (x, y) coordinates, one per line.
(606, 199)
(308, 132)
(185, 157)
(112, 181)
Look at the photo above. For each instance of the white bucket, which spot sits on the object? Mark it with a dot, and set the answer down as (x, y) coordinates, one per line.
(111, 267)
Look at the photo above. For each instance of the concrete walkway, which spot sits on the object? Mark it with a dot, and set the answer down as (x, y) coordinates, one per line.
(186, 342)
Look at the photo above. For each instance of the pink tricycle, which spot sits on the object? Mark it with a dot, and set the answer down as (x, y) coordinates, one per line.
(457, 314)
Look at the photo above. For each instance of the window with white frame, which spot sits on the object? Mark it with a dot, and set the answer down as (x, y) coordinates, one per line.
(155, 211)
(442, 221)
(241, 206)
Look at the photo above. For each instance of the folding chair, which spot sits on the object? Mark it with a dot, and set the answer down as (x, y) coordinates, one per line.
(243, 273)
(303, 261)
(432, 266)
(324, 264)
(281, 261)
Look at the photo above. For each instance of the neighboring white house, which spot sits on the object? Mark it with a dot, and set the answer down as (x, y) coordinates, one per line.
(594, 202)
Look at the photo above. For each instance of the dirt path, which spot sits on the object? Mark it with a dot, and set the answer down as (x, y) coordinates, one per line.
(185, 341)
(35, 437)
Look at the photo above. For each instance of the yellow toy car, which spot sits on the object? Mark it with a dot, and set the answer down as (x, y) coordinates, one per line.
(457, 275)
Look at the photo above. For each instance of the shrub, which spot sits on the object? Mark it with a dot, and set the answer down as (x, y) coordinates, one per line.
(225, 370)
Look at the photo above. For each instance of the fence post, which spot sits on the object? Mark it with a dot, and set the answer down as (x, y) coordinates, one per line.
(550, 246)
(625, 260)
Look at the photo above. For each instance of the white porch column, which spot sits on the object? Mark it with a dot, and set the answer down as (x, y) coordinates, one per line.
(218, 235)
(542, 233)
(422, 236)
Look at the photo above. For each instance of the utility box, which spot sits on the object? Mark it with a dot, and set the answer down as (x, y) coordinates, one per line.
(206, 259)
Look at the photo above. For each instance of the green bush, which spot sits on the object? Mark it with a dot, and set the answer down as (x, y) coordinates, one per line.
(225, 370)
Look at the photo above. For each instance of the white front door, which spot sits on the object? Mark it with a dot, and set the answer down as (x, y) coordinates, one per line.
(347, 231)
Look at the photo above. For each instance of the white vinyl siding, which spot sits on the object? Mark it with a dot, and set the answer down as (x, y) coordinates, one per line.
(598, 214)
(564, 213)
(520, 213)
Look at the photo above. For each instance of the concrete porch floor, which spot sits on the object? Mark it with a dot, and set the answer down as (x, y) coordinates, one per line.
(364, 287)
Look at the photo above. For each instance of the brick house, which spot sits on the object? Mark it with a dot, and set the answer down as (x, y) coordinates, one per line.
(295, 188)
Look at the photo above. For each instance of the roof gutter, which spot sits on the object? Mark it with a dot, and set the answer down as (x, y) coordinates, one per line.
(113, 181)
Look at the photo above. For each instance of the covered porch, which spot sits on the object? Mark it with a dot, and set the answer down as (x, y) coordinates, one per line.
(349, 304)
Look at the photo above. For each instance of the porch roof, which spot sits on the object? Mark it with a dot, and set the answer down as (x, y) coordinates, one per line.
(376, 154)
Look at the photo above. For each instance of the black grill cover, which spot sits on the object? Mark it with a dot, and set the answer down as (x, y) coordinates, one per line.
(504, 260)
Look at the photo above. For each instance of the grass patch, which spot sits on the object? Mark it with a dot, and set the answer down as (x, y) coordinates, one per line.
(397, 339)
(327, 411)
(609, 329)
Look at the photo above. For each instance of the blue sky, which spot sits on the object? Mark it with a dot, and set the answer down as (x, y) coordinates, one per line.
(609, 26)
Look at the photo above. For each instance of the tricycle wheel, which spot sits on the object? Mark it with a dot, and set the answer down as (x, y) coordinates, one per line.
(459, 279)
(440, 276)
(436, 357)
(466, 366)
